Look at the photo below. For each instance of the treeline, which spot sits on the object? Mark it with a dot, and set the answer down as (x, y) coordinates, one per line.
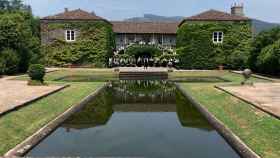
(19, 37)
(265, 53)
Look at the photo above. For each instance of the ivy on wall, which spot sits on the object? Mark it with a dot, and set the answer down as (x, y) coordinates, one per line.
(196, 49)
(93, 46)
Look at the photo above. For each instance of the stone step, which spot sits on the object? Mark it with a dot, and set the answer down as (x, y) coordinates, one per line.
(143, 75)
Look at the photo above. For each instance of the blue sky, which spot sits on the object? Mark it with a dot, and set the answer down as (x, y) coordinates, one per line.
(267, 10)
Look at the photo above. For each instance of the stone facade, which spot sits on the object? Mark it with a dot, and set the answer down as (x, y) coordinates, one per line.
(127, 33)
(156, 33)
(48, 35)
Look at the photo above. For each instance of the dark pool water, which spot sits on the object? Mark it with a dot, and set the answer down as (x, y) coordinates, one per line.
(136, 119)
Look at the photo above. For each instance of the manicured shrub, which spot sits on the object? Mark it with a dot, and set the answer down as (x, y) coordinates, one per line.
(269, 59)
(37, 72)
(9, 61)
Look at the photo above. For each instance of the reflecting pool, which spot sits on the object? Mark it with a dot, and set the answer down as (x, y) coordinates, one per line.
(136, 119)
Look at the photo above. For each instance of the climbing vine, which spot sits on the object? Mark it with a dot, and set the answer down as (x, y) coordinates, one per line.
(93, 46)
(196, 49)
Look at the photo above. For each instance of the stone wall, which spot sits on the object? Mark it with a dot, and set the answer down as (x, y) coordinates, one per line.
(48, 35)
(93, 45)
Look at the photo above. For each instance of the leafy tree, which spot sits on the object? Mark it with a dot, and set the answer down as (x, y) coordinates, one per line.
(16, 4)
(142, 50)
(19, 31)
(9, 61)
(16, 33)
(4, 4)
(268, 60)
(12, 5)
(263, 40)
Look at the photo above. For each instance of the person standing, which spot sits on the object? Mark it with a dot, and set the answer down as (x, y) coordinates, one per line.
(146, 63)
(110, 62)
(139, 62)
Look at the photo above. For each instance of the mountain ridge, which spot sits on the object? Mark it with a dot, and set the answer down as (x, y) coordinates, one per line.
(258, 25)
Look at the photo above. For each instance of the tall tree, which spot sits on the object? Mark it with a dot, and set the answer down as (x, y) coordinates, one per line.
(16, 4)
(4, 4)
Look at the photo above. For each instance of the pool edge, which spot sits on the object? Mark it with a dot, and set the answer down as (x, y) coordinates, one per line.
(233, 140)
(30, 142)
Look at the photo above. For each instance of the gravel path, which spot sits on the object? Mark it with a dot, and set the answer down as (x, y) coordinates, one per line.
(14, 93)
(265, 96)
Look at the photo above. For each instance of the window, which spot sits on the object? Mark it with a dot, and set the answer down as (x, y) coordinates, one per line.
(70, 36)
(218, 37)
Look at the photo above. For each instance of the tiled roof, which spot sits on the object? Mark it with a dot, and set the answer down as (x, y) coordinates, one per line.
(73, 15)
(145, 27)
(214, 15)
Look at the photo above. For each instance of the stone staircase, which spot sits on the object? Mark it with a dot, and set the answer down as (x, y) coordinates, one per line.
(141, 74)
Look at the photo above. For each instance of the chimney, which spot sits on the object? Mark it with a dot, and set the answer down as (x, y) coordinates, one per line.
(65, 10)
(237, 9)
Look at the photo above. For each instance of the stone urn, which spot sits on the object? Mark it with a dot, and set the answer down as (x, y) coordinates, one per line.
(247, 73)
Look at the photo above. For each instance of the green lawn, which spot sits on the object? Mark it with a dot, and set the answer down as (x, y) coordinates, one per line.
(94, 74)
(257, 129)
(18, 125)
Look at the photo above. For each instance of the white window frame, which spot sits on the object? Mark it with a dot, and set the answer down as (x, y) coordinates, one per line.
(218, 37)
(70, 35)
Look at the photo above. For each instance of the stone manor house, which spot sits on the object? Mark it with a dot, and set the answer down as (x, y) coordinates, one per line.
(137, 32)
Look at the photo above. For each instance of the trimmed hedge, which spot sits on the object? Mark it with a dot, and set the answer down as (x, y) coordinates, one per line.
(37, 72)
(196, 49)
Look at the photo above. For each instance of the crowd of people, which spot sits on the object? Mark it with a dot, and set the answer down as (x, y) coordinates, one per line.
(142, 61)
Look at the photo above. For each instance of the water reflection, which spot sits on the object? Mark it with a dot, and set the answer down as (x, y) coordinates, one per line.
(136, 119)
(96, 113)
(189, 115)
(143, 91)
(137, 96)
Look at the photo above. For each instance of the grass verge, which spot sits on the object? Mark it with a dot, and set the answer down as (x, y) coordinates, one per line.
(77, 75)
(18, 125)
(257, 129)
